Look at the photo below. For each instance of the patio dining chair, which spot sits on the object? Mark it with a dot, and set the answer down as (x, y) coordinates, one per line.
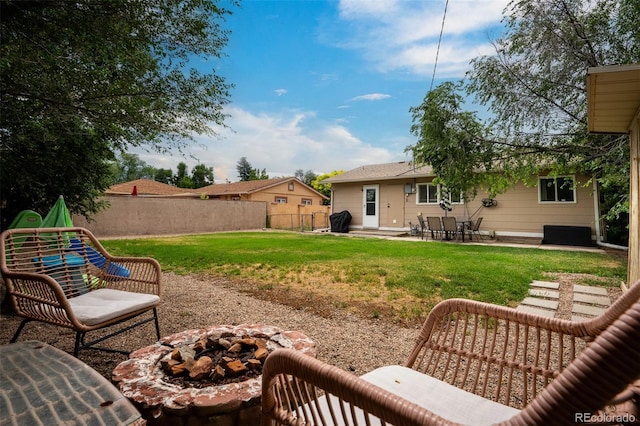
(450, 227)
(435, 227)
(65, 277)
(475, 363)
(475, 229)
(423, 226)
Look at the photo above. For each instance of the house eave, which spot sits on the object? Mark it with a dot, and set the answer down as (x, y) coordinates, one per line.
(613, 98)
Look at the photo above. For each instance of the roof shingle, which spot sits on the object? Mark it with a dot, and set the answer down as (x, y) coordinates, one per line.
(148, 187)
(387, 171)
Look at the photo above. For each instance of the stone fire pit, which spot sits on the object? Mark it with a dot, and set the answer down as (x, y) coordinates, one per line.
(163, 402)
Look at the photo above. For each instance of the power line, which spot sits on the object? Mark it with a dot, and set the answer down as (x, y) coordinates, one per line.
(444, 16)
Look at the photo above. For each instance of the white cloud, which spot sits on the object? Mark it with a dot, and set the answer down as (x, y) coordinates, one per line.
(281, 143)
(403, 35)
(280, 92)
(371, 97)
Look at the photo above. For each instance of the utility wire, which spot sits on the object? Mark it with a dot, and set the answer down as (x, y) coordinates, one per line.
(433, 77)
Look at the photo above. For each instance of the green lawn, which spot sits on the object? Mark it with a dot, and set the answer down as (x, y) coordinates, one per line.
(369, 269)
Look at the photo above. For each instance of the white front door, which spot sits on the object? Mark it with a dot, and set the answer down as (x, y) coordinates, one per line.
(371, 204)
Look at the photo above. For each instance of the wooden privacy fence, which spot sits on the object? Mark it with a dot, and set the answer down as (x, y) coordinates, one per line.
(297, 216)
(295, 221)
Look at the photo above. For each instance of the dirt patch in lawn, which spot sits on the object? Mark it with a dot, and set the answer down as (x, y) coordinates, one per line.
(324, 296)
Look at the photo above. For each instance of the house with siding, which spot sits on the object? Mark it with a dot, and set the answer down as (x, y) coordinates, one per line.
(284, 190)
(391, 196)
(291, 204)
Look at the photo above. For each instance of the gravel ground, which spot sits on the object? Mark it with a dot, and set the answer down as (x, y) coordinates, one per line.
(191, 302)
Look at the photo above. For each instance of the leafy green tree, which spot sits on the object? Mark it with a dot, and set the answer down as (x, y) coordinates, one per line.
(244, 169)
(306, 177)
(130, 167)
(80, 80)
(183, 180)
(535, 89)
(164, 176)
(259, 174)
(202, 175)
(324, 188)
(246, 172)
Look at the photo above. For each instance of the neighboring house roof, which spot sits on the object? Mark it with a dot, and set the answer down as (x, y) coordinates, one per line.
(387, 171)
(147, 187)
(251, 186)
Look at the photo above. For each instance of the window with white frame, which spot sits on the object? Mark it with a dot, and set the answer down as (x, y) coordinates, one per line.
(281, 200)
(306, 201)
(560, 189)
(428, 193)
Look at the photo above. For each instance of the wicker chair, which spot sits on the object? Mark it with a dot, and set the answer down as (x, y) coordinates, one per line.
(475, 363)
(64, 277)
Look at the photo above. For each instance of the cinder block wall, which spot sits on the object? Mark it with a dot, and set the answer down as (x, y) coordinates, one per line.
(165, 216)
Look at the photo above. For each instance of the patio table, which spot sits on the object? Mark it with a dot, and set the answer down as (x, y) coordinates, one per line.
(40, 384)
(464, 223)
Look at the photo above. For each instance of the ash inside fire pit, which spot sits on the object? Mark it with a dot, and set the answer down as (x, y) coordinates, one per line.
(216, 361)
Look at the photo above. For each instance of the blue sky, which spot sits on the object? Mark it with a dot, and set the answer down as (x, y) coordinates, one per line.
(327, 85)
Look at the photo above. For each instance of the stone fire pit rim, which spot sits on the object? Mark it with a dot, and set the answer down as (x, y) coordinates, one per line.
(140, 377)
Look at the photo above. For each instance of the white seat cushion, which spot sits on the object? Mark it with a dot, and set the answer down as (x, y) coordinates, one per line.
(105, 304)
(441, 398)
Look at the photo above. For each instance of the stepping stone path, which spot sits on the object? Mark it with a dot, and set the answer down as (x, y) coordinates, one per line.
(543, 299)
(589, 302)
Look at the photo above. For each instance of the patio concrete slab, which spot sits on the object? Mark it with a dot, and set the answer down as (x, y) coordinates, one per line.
(588, 310)
(589, 290)
(591, 299)
(545, 284)
(540, 303)
(541, 292)
(536, 311)
(579, 318)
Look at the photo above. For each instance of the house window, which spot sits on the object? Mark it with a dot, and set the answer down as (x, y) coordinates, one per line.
(456, 198)
(235, 198)
(432, 194)
(427, 193)
(281, 200)
(307, 201)
(559, 189)
(290, 186)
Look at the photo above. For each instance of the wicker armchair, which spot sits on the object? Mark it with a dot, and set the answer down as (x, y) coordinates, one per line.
(64, 277)
(475, 363)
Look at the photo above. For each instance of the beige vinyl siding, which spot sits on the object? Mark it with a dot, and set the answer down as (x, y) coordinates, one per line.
(518, 211)
(348, 197)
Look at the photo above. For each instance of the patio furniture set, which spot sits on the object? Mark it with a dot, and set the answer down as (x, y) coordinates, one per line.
(449, 227)
(498, 364)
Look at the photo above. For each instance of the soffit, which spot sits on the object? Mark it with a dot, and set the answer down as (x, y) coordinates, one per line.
(613, 98)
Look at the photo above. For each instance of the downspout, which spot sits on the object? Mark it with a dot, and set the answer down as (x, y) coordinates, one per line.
(332, 202)
(596, 209)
